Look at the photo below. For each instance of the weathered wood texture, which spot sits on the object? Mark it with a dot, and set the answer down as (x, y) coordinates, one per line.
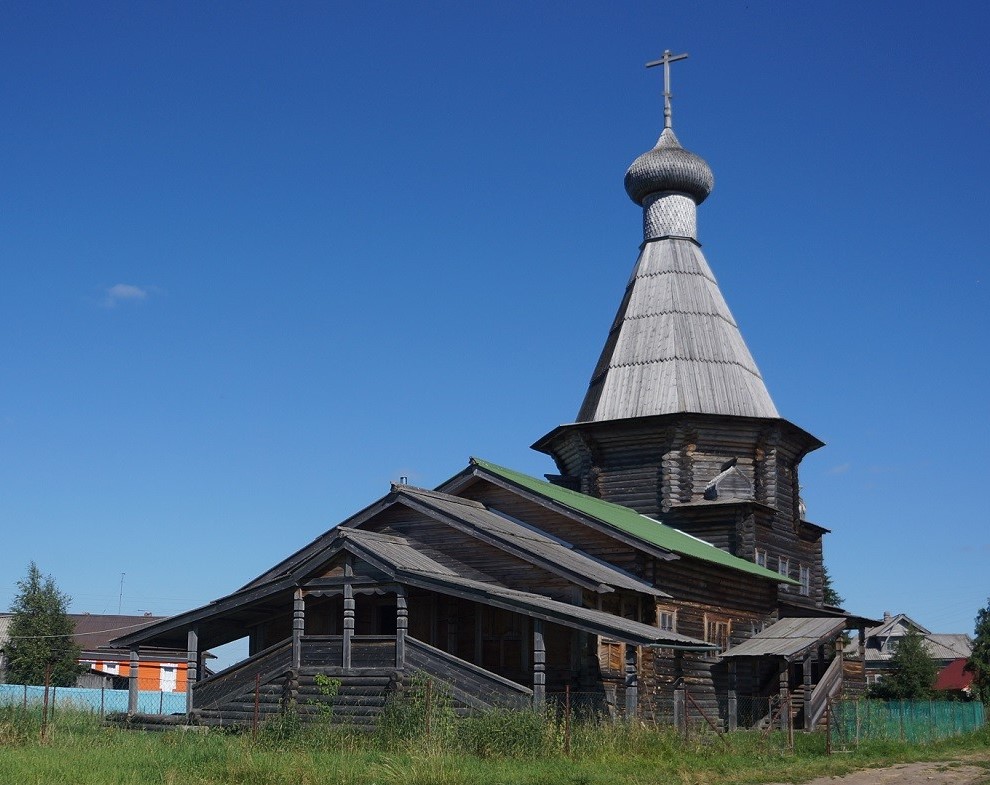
(469, 684)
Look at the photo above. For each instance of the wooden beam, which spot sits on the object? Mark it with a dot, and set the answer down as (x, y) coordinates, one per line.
(806, 665)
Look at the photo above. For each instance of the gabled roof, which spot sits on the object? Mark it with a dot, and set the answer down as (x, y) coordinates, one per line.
(493, 528)
(789, 638)
(674, 345)
(627, 521)
(891, 625)
(397, 558)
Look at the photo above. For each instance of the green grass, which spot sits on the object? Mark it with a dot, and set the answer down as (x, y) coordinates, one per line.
(500, 748)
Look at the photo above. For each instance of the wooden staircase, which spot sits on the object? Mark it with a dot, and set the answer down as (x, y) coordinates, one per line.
(265, 685)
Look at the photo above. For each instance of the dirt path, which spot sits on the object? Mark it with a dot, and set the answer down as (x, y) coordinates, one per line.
(973, 770)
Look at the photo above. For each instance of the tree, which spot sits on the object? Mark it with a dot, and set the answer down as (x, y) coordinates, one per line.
(829, 594)
(979, 660)
(914, 671)
(41, 633)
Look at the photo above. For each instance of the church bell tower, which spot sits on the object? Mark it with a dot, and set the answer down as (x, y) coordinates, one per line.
(677, 422)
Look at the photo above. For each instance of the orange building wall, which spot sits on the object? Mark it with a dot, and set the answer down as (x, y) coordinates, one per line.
(149, 673)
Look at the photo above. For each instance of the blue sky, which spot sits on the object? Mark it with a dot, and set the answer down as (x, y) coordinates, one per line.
(261, 259)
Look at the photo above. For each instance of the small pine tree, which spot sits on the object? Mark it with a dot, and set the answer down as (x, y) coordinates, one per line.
(41, 634)
(979, 660)
(829, 594)
(914, 671)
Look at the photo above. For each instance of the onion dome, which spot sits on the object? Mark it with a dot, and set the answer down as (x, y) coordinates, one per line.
(669, 167)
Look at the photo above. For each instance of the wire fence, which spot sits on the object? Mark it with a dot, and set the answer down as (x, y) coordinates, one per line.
(853, 721)
(99, 701)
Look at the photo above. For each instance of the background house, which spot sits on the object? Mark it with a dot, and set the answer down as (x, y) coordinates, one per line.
(882, 641)
(160, 669)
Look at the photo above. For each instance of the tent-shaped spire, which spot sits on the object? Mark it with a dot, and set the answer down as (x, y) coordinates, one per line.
(674, 346)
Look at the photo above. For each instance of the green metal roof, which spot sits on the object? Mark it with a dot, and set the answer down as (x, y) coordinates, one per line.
(632, 522)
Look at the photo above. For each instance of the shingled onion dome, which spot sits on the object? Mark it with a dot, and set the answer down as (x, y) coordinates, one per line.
(668, 170)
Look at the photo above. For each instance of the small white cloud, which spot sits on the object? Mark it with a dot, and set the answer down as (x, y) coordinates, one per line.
(842, 468)
(124, 292)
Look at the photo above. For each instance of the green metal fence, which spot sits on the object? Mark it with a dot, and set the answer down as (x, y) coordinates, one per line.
(857, 720)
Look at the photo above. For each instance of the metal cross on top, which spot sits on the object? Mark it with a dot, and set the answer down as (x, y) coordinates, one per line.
(665, 61)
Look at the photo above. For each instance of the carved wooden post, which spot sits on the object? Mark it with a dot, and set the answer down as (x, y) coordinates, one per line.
(192, 666)
(680, 717)
(132, 684)
(401, 627)
(539, 665)
(348, 611)
(807, 691)
(632, 683)
(298, 626)
(733, 707)
(785, 709)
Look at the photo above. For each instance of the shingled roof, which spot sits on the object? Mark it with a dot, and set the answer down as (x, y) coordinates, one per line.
(674, 345)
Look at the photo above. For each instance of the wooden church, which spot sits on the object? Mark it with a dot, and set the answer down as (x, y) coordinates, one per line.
(666, 567)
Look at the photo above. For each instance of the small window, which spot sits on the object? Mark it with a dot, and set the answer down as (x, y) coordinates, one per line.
(760, 557)
(805, 581)
(784, 566)
(717, 631)
(667, 618)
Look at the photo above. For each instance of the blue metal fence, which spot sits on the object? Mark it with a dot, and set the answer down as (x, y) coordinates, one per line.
(101, 701)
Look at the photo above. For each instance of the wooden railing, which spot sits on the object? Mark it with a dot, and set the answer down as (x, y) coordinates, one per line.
(367, 651)
(828, 687)
(229, 683)
(467, 683)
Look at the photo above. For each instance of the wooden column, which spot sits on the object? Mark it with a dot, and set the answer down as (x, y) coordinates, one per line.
(192, 666)
(298, 626)
(401, 627)
(785, 712)
(680, 716)
(807, 691)
(539, 665)
(348, 611)
(862, 645)
(733, 707)
(632, 683)
(132, 683)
